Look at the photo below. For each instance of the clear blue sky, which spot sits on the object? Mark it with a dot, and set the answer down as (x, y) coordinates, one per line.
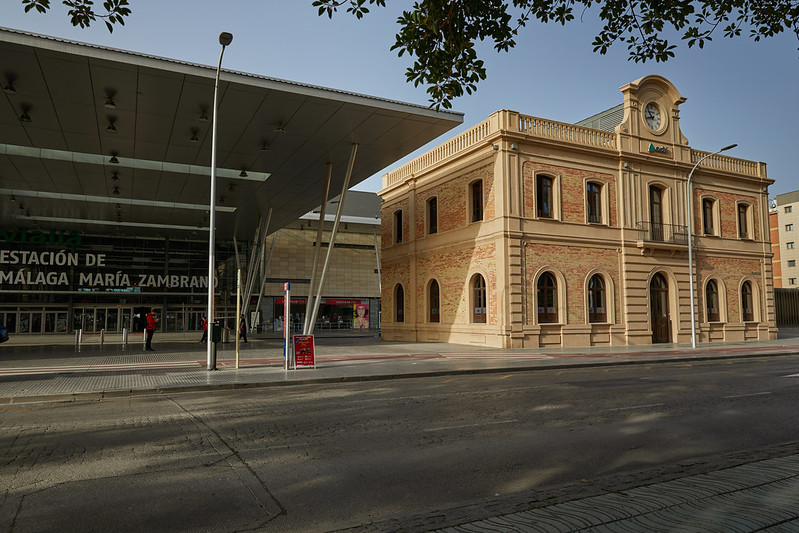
(737, 91)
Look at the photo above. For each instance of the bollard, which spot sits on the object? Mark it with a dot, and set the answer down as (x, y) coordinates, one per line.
(102, 337)
(124, 336)
(144, 340)
(77, 338)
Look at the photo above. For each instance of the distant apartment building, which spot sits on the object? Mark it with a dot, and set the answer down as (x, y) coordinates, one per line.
(787, 229)
(527, 232)
(774, 230)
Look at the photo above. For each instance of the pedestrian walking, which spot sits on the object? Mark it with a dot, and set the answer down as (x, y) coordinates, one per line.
(150, 330)
(205, 330)
(243, 330)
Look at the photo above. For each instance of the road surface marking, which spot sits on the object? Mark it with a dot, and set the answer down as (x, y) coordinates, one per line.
(446, 428)
(636, 407)
(747, 395)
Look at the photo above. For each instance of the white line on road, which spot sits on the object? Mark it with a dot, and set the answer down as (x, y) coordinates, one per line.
(747, 395)
(446, 428)
(636, 407)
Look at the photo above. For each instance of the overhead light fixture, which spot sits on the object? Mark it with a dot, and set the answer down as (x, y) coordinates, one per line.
(111, 128)
(119, 206)
(281, 128)
(114, 159)
(203, 117)
(13, 198)
(115, 176)
(109, 103)
(66, 197)
(8, 88)
(243, 174)
(24, 116)
(265, 147)
(194, 137)
(221, 199)
(116, 191)
(231, 187)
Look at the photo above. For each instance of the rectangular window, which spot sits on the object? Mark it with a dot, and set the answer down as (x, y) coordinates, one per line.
(792, 263)
(544, 197)
(743, 226)
(792, 281)
(398, 226)
(788, 227)
(593, 197)
(789, 245)
(788, 208)
(477, 201)
(432, 215)
(707, 216)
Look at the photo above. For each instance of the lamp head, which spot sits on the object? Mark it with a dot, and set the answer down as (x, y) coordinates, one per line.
(225, 38)
(730, 147)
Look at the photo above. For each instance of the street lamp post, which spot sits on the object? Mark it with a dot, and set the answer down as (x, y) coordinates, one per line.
(225, 39)
(690, 240)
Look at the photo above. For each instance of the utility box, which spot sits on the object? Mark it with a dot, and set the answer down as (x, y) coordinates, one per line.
(216, 332)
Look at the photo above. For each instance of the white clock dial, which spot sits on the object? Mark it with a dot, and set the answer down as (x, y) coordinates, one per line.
(652, 116)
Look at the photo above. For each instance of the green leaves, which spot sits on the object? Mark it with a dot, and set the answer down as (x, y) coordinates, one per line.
(441, 34)
(82, 12)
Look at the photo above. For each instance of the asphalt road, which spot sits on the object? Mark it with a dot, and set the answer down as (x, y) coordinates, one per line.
(406, 454)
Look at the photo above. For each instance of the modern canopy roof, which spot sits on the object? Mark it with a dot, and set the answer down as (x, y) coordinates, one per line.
(67, 108)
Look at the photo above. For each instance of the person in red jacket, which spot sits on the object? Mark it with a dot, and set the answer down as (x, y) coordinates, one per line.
(150, 330)
(205, 330)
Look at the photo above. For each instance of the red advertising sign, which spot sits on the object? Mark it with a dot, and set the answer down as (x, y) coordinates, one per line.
(294, 301)
(304, 352)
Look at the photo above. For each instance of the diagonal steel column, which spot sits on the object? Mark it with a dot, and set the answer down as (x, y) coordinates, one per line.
(264, 274)
(317, 249)
(259, 241)
(344, 188)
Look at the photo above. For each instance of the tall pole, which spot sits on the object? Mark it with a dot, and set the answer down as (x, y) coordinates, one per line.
(690, 241)
(224, 39)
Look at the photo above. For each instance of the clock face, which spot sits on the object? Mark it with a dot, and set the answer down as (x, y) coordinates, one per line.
(652, 116)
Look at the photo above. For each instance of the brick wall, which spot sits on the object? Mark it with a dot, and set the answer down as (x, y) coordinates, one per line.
(572, 190)
(574, 263)
(731, 271)
(453, 269)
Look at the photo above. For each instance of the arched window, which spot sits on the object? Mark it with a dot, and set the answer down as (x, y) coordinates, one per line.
(543, 189)
(597, 299)
(399, 304)
(593, 202)
(712, 301)
(433, 302)
(547, 297)
(478, 299)
(747, 302)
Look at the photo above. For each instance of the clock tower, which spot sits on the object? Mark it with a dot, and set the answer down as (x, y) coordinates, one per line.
(651, 123)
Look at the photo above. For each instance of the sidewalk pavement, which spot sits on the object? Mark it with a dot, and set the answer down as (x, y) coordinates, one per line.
(33, 371)
(758, 496)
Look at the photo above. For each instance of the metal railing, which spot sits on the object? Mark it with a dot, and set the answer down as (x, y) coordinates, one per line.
(667, 233)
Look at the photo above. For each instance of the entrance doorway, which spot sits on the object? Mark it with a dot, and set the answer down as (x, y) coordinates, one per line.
(659, 309)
